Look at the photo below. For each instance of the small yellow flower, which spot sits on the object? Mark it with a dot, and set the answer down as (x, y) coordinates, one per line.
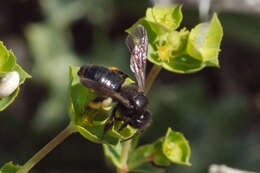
(164, 52)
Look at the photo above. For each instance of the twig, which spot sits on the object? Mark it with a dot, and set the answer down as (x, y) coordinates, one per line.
(151, 77)
(225, 169)
(126, 149)
(47, 148)
(204, 8)
(241, 6)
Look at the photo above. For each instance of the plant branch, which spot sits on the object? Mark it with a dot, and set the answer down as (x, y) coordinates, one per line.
(224, 169)
(47, 148)
(127, 145)
(126, 149)
(241, 6)
(151, 77)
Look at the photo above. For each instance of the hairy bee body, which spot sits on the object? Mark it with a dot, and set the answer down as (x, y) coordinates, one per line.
(131, 103)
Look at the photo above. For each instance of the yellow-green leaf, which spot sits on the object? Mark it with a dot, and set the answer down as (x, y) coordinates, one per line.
(176, 148)
(23, 74)
(8, 64)
(164, 18)
(6, 101)
(115, 152)
(9, 168)
(7, 59)
(204, 41)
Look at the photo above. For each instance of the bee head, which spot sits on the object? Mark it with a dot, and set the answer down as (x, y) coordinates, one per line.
(142, 121)
(140, 103)
(82, 70)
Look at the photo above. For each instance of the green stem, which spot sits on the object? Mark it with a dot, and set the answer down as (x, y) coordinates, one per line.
(126, 148)
(127, 145)
(47, 148)
(151, 77)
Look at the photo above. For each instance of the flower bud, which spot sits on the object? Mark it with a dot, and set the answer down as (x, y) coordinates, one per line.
(8, 83)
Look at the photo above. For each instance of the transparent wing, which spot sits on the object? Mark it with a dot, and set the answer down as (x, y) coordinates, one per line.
(137, 43)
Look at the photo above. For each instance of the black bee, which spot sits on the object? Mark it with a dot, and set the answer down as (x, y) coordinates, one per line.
(131, 101)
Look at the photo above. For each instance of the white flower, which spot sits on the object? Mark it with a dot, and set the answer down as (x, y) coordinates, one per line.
(8, 83)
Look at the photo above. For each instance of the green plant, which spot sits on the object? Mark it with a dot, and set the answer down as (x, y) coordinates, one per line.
(179, 51)
(10, 74)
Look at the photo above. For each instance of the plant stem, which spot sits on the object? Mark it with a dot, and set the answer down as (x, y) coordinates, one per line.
(126, 148)
(127, 145)
(151, 77)
(225, 169)
(47, 148)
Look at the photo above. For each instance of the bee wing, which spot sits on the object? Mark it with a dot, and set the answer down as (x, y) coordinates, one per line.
(103, 90)
(137, 43)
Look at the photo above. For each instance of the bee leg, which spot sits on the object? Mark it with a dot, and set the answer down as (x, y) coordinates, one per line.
(110, 122)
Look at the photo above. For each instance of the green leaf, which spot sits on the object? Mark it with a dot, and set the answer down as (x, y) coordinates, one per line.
(23, 74)
(9, 168)
(114, 153)
(141, 155)
(79, 94)
(90, 122)
(7, 59)
(171, 50)
(158, 156)
(7, 64)
(6, 101)
(176, 147)
(148, 153)
(148, 168)
(204, 41)
(180, 51)
(171, 148)
(183, 64)
(164, 18)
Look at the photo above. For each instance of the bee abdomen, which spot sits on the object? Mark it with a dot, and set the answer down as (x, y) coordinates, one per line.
(102, 75)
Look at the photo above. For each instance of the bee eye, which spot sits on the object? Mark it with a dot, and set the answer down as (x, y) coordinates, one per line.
(140, 102)
(81, 71)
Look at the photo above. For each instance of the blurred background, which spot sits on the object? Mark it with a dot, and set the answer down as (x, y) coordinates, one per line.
(218, 110)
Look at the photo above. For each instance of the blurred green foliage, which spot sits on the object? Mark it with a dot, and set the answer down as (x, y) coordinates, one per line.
(9, 168)
(215, 109)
